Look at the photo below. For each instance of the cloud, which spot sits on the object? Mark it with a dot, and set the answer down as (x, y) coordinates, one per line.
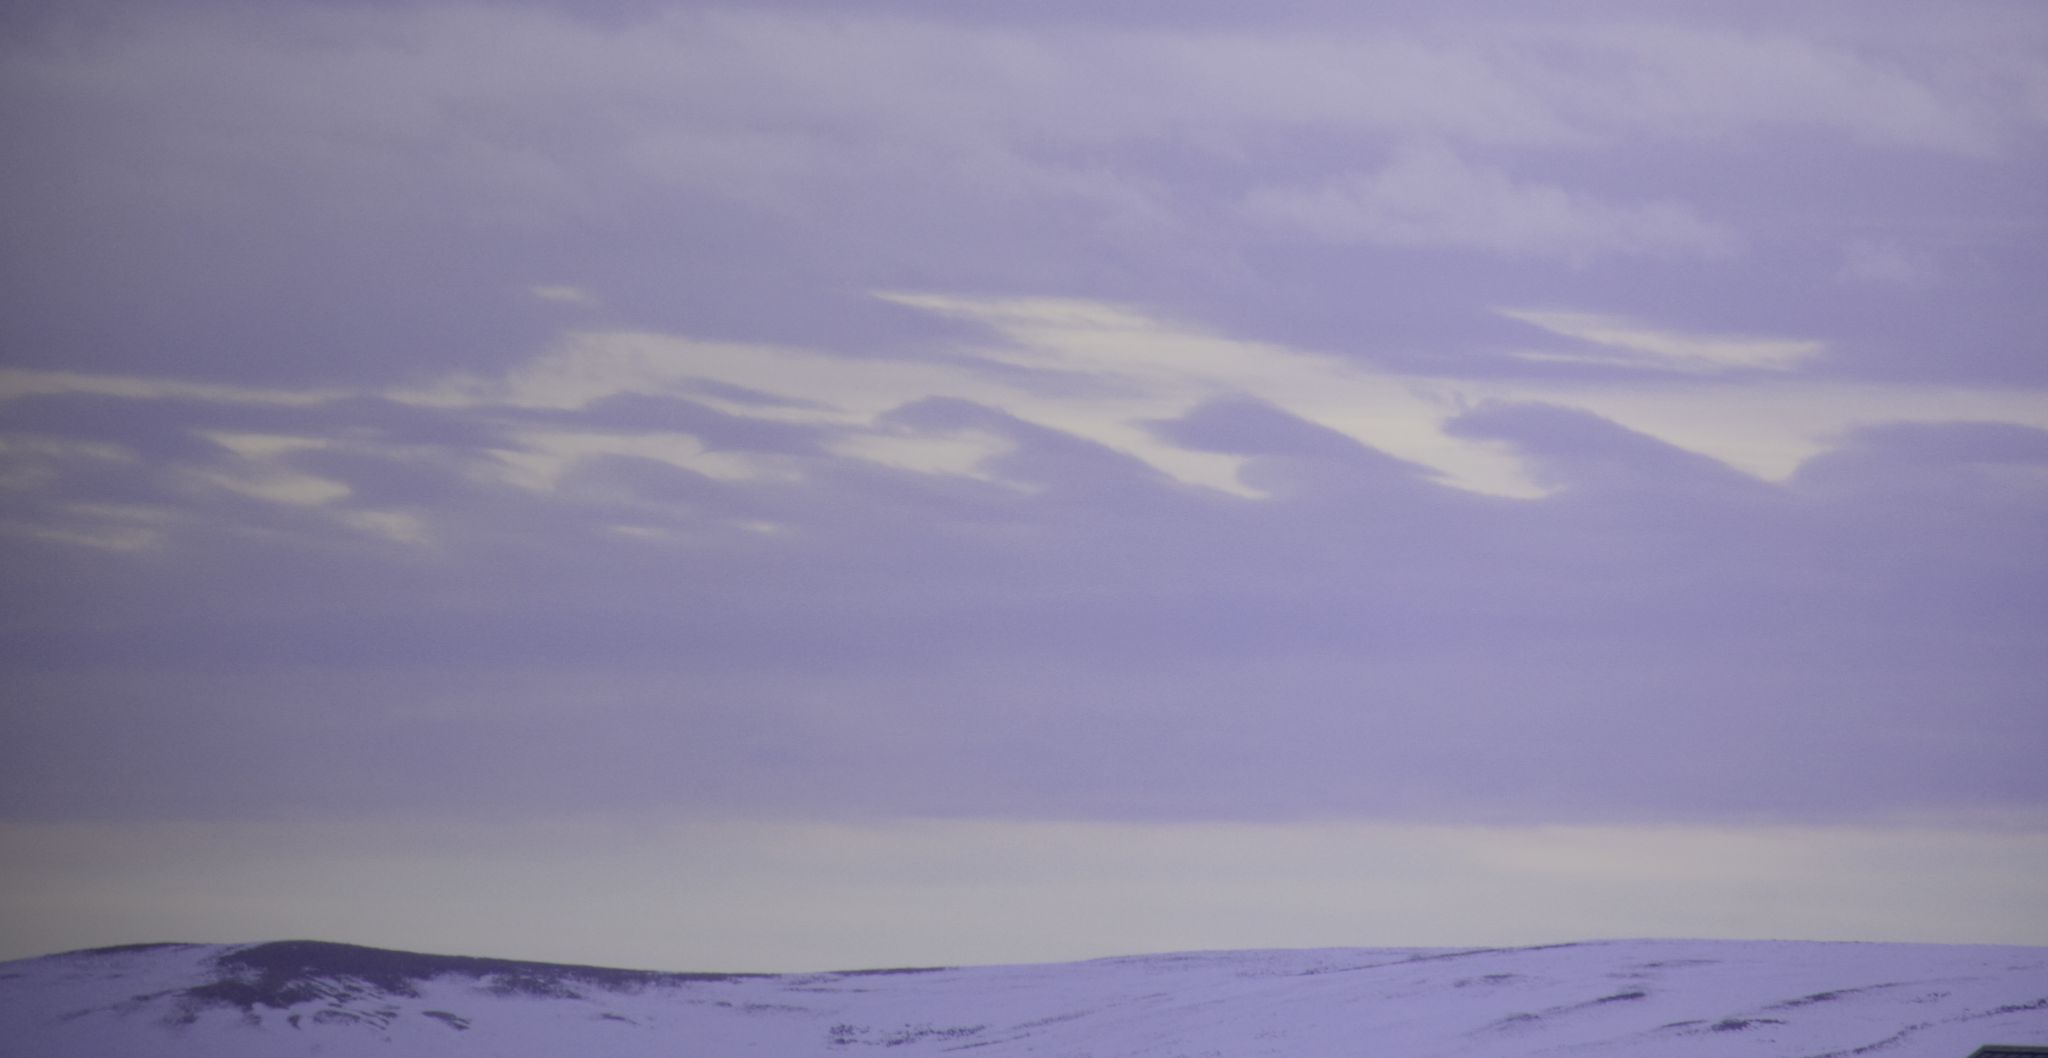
(647, 569)
(1110, 374)
(369, 168)
(1129, 368)
(1628, 343)
(1772, 426)
(539, 458)
(31, 460)
(1576, 451)
(17, 383)
(1427, 196)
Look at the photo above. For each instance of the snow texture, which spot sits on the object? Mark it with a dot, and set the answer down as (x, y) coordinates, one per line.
(1686, 999)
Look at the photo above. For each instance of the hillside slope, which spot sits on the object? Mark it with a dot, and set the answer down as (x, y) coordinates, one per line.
(1689, 999)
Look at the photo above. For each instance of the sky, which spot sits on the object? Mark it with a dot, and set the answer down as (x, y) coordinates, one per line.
(782, 485)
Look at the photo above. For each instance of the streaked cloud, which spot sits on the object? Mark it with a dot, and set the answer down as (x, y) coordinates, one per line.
(17, 383)
(258, 471)
(539, 458)
(1105, 372)
(31, 460)
(1617, 340)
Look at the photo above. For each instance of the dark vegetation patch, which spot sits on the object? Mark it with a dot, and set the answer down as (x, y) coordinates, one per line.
(2013, 1008)
(1433, 956)
(1669, 964)
(126, 949)
(1887, 1043)
(916, 1033)
(1740, 1024)
(289, 973)
(380, 1018)
(1828, 996)
(386, 969)
(454, 1021)
(1807, 1001)
(539, 986)
(248, 995)
(844, 1034)
(1071, 1015)
(891, 970)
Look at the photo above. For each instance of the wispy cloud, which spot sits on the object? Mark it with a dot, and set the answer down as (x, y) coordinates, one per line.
(1099, 371)
(1621, 341)
(1428, 196)
(1074, 539)
(564, 295)
(16, 383)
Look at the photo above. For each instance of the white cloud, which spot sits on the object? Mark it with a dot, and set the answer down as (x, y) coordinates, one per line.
(544, 456)
(262, 445)
(1768, 428)
(960, 453)
(1765, 427)
(1427, 196)
(1618, 340)
(1104, 372)
(259, 472)
(588, 366)
(1144, 368)
(393, 525)
(276, 485)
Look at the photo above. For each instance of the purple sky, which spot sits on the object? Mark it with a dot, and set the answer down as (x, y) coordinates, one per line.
(1567, 419)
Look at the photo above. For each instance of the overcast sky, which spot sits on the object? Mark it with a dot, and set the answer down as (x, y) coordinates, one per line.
(785, 485)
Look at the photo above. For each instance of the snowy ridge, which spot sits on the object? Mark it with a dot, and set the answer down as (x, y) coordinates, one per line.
(1680, 998)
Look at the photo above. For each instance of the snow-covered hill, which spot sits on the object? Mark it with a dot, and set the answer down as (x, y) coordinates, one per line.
(1619, 998)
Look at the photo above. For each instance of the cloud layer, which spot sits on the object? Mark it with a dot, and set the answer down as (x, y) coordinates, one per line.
(1090, 565)
(337, 181)
(1455, 416)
